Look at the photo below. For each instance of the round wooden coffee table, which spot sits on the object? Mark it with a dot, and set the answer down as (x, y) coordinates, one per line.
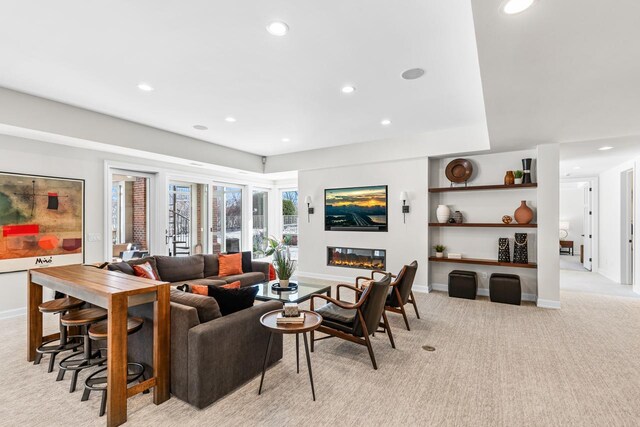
(312, 321)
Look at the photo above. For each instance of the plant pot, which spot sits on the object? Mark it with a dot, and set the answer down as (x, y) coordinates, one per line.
(517, 180)
(439, 254)
(284, 283)
(524, 214)
(509, 178)
(443, 213)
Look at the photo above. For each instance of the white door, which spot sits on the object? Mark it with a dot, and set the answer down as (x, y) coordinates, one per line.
(627, 231)
(587, 227)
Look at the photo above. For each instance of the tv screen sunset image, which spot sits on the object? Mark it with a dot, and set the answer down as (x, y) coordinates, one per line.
(357, 208)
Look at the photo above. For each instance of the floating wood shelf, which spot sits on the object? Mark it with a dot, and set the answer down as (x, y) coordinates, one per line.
(482, 224)
(484, 262)
(483, 187)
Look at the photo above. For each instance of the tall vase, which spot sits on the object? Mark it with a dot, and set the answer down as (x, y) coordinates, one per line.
(520, 249)
(524, 214)
(504, 253)
(443, 213)
(526, 170)
(509, 178)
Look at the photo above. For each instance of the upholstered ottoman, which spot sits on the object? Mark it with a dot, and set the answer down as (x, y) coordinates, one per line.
(505, 288)
(463, 284)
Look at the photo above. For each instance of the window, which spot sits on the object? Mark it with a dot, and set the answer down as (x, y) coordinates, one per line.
(226, 219)
(129, 222)
(187, 219)
(260, 222)
(290, 219)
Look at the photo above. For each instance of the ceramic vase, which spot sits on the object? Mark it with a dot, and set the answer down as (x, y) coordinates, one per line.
(457, 217)
(509, 178)
(443, 213)
(504, 253)
(524, 214)
(526, 170)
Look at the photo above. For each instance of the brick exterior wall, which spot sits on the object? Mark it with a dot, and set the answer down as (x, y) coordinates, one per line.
(140, 212)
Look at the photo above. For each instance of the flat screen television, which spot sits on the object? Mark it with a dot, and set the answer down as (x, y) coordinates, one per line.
(356, 209)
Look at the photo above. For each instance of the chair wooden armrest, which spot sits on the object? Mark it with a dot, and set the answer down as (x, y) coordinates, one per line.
(344, 285)
(384, 273)
(359, 278)
(341, 304)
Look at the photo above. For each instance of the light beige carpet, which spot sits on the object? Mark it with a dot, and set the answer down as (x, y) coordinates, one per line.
(495, 365)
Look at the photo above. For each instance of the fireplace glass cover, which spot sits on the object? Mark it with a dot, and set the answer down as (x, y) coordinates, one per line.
(367, 259)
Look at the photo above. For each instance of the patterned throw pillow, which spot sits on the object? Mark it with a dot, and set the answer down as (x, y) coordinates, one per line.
(232, 285)
(145, 270)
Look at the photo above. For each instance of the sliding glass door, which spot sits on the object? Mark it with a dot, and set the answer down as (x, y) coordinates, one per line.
(187, 222)
(260, 222)
(226, 218)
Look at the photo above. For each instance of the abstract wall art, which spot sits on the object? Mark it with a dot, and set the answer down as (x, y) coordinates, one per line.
(41, 221)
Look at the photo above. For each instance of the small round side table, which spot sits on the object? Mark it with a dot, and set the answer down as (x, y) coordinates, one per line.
(312, 321)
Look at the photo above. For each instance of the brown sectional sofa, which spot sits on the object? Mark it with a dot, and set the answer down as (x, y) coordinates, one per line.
(211, 355)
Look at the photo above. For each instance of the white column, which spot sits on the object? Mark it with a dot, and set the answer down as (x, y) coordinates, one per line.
(548, 173)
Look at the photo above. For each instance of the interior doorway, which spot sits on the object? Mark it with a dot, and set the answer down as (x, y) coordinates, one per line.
(627, 237)
(577, 235)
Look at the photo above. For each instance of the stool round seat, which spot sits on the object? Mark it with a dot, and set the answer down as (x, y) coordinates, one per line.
(60, 305)
(85, 316)
(99, 331)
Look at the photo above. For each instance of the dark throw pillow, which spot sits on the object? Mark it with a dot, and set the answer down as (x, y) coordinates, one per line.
(122, 267)
(232, 300)
(247, 267)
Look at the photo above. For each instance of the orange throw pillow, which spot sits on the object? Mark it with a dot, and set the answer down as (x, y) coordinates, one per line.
(232, 285)
(145, 270)
(200, 290)
(230, 264)
(272, 272)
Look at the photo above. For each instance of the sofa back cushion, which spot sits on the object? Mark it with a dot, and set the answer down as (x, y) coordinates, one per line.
(177, 269)
(211, 265)
(207, 307)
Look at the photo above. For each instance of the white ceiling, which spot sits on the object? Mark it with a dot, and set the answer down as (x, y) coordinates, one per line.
(561, 71)
(591, 161)
(211, 59)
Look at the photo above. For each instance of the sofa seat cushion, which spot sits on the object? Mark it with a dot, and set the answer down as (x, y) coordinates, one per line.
(338, 314)
(207, 282)
(207, 307)
(174, 269)
(246, 279)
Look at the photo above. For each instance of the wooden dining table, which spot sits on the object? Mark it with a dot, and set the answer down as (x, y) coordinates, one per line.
(114, 292)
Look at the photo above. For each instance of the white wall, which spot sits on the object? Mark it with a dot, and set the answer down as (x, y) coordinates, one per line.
(610, 221)
(572, 210)
(35, 157)
(403, 242)
(482, 206)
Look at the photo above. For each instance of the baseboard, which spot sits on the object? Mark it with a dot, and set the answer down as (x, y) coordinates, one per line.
(423, 289)
(7, 314)
(547, 303)
(483, 292)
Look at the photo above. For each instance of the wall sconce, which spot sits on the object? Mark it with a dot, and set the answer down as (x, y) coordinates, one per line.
(310, 210)
(405, 207)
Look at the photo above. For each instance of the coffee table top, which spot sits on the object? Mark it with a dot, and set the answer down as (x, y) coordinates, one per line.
(303, 293)
(312, 321)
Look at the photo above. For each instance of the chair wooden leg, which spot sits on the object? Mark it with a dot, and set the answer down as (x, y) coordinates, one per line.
(404, 315)
(415, 306)
(371, 355)
(388, 329)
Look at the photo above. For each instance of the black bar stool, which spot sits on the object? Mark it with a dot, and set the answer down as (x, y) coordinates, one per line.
(57, 306)
(97, 381)
(84, 359)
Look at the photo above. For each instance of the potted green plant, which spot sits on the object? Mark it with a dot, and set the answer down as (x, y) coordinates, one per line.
(284, 266)
(440, 250)
(518, 177)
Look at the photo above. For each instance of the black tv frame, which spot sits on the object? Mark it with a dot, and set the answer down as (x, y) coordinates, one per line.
(365, 229)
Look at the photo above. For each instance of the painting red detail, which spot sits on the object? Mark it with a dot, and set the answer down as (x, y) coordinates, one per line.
(20, 230)
(48, 242)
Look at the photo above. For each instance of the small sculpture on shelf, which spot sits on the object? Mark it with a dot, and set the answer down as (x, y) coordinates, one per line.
(507, 219)
(504, 252)
(439, 250)
(520, 249)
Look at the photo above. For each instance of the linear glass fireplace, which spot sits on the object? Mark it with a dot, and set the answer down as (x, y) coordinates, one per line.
(367, 259)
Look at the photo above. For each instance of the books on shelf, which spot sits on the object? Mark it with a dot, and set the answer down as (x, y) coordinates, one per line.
(282, 319)
(452, 255)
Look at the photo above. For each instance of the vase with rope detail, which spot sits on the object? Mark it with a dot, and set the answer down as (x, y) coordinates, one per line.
(504, 252)
(520, 249)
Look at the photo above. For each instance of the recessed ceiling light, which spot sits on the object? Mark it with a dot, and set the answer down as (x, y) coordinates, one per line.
(567, 174)
(576, 168)
(413, 73)
(286, 139)
(230, 119)
(278, 28)
(605, 148)
(385, 122)
(511, 7)
(200, 127)
(348, 89)
(145, 87)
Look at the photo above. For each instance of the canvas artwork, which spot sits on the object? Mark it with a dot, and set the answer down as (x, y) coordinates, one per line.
(356, 209)
(41, 221)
